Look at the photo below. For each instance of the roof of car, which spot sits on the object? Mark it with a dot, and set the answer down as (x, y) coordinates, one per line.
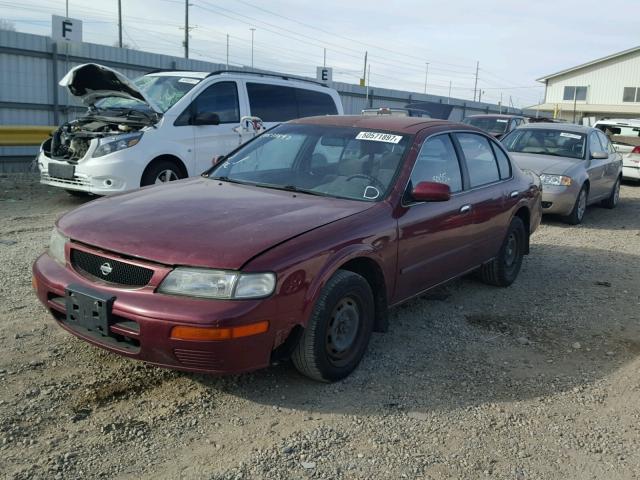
(632, 122)
(409, 125)
(565, 127)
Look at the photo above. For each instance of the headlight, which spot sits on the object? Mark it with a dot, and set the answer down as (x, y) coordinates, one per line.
(119, 142)
(557, 180)
(200, 282)
(56, 246)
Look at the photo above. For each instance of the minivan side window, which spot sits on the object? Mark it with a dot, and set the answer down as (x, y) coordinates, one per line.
(481, 163)
(311, 103)
(272, 103)
(220, 98)
(438, 162)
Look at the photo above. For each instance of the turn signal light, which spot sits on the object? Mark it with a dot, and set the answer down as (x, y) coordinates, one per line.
(184, 332)
(636, 149)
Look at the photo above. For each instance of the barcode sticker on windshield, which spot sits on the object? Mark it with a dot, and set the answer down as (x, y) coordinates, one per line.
(501, 120)
(570, 135)
(379, 137)
(192, 81)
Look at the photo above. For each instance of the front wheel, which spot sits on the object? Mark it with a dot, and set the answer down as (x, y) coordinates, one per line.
(339, 329)
(161, 172)
(503, 270)
(579, 208)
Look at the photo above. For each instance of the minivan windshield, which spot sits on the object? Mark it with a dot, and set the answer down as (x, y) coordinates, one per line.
(494, 126)
(342, 162)
(163, 90)
(546, 141)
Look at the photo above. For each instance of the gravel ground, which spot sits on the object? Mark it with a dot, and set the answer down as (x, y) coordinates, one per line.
(539, 380)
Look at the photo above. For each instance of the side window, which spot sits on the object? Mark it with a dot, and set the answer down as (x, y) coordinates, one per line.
(438, 162)
(220, 98)
(503, 161)
(272, 103)
(594, 143)
(311, 103)
(606, 144)
(481, 163)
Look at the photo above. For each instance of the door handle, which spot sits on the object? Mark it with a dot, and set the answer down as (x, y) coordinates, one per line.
(514, 194)
(465, 209)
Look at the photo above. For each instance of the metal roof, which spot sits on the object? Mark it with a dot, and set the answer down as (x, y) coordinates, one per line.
(588, 64)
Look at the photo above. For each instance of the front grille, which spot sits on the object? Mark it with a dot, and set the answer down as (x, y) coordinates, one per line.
(198, 359)
(77, 181)
(121, 273)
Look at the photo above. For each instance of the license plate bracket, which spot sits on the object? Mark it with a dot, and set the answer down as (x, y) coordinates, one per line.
(61, 170)
(89, 309)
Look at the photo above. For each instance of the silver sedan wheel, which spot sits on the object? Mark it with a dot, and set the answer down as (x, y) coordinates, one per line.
(582, 204)
(166, 176)
(616, 192)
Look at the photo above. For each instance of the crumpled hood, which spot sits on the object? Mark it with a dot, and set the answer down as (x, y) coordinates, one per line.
(201, 222)
(539, 163)
(92, 82)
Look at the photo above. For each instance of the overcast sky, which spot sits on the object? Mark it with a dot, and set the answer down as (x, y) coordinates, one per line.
(515, 41)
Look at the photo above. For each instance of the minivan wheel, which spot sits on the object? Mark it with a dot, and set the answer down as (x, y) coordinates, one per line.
(503, 270)
(613, 199)
(339, 329)
(579, 208)
(161, 172)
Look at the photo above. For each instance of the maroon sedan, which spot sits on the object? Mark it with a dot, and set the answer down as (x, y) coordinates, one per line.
(294, 245)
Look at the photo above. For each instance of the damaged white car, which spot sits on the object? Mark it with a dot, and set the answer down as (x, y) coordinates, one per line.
(166, 125)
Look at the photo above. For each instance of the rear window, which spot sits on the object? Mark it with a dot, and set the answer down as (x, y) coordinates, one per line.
(276, 103)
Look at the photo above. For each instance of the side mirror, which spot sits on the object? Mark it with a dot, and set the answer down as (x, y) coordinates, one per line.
(599, 155)
(205, 118)
(431, 192)
(217, 159)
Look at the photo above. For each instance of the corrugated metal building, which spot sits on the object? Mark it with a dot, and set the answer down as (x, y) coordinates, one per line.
(603, 88)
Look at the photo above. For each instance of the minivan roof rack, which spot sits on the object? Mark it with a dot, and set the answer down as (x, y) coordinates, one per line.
(158, 70)
(263, 74)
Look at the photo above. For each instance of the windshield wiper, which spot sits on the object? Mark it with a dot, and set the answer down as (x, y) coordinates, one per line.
(291, 188)
(231, 180)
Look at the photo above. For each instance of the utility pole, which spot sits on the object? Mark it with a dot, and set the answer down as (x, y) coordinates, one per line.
(449, 99)
(186, 28)
(368, 78)
(67, 9)
(364, 72)
(120, 23)
(227, 51)
(252, 32)
(426, 75)
(480, 95)
(500, 104)
(475, 86)
(324, 62)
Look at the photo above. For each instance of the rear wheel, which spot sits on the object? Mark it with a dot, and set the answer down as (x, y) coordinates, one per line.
(162, 171)
(339, 329)
(613, 199)
(503, 270)
(579, 208)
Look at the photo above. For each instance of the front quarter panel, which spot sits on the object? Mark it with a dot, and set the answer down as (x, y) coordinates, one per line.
(304, 264)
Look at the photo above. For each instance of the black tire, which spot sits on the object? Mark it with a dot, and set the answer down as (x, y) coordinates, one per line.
(503, 270)
(78, 193)
(579, 208)
(612, 201)
(162, 168)
(332, 346)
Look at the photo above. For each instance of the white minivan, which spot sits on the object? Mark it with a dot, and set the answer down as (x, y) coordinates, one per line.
(167, 125)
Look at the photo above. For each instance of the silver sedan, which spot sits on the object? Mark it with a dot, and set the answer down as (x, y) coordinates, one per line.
(577, 165)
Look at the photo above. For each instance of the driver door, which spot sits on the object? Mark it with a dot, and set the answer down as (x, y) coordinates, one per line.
(597, 170)
(212, 140)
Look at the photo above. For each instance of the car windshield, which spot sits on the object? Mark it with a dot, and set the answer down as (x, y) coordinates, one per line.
(164, 91)
(488, 124)
(546, 142)
(332, 161)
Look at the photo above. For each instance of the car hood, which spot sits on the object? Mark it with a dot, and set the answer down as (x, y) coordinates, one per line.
(91, 82)
(539, 163)
(201, 222)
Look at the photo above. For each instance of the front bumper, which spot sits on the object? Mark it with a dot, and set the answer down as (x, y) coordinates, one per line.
(559, 200)
(142, 321)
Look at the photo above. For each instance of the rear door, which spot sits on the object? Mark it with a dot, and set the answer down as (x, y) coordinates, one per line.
(435, 238)
(614, 166)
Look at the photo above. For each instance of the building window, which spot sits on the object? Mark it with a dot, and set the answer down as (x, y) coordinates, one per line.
(631, 94)
(575, 94)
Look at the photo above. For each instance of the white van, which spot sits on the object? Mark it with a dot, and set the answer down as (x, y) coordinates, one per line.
(166, 125)
(624, 134)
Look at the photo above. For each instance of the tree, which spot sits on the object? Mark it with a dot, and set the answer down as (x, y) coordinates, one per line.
(7, 25)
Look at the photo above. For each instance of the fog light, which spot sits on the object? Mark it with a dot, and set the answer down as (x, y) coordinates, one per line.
(184, 332)
(108, 182)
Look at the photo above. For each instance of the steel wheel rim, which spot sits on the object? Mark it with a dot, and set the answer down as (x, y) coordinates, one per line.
(582, 204)
(166, 176)
(343, 328)
(511, 250)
